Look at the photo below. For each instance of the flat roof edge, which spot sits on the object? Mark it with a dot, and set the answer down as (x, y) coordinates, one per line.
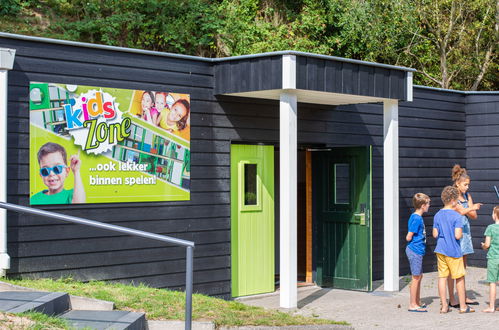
(456, 91)
(105, 47)
(198, 58)
(325, 57)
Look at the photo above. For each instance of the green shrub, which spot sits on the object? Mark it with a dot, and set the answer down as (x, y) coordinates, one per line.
(9, 7)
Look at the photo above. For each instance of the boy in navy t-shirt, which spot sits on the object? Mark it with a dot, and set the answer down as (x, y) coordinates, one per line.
(416, 248)
(448, 230)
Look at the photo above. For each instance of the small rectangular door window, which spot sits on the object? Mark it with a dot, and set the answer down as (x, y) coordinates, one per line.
(342, 183)
(250, 184)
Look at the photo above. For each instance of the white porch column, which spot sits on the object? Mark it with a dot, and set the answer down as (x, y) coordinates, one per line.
(6, 63)
(288, 191)
(288, 185)
(391, 195)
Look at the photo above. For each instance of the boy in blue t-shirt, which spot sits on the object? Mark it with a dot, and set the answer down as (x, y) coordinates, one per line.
(448, 230)
(415, 250)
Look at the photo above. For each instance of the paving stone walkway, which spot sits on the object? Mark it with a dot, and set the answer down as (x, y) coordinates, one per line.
(387, 310)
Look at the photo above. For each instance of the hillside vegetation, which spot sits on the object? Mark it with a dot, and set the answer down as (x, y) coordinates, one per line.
(452, 43)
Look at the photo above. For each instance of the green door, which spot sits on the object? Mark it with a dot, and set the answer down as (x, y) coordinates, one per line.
(342, 217)
(252, 219)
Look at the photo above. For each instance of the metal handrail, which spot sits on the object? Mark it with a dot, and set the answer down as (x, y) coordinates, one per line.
(187, 244)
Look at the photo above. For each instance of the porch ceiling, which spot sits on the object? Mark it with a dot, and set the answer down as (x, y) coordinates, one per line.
(309, 96)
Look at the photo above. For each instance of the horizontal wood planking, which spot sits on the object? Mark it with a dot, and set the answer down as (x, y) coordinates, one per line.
(482, 152)
(432, 140)
(44, 247)
(101, 56)
(22, 79)
(73, 261)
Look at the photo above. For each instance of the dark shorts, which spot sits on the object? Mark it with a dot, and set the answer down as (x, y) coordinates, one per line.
(415, 261)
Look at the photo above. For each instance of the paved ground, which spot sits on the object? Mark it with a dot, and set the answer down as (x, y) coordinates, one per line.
(386, 310)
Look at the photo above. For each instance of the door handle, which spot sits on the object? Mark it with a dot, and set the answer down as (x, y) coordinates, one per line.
(360, 218)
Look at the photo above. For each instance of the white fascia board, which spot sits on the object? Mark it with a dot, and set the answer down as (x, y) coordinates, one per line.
(288, 72)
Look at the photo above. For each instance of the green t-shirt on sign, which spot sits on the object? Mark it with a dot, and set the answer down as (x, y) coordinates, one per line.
(493, 231)
(63, 197)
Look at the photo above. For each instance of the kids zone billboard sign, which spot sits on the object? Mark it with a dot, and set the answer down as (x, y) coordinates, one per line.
(106, 145)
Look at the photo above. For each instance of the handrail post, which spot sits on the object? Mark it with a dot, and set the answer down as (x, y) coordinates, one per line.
(188, 287)
(189, 253)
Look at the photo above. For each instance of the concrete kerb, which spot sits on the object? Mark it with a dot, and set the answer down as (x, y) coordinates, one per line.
(178, 325)
(291, 327)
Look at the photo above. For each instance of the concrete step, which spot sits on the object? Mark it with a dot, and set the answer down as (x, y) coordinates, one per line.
(50, 303)
(75, 302)
(178, 325)
(101, 320)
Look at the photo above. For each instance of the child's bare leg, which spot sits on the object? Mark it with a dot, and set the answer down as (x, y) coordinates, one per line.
(492, 299)
(414, 302)
(442, 283)
(460, 293)
(468, 300)
(452, 297)
(418, 294)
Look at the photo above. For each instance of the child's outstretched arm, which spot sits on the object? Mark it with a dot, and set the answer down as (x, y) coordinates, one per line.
(475, 207)
(470, 211)
(78, 190)
(486, 245)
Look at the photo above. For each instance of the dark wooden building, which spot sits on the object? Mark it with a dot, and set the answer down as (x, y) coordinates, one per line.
(337, 148)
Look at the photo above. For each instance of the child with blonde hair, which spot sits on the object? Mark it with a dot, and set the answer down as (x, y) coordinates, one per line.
(416, 248)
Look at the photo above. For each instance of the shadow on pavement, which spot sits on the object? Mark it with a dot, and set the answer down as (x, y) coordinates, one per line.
(312, 297)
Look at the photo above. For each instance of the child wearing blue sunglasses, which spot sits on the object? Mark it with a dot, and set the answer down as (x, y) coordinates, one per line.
(52, 159)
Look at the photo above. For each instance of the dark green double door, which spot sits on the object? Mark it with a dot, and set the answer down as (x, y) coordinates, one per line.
(342, 217)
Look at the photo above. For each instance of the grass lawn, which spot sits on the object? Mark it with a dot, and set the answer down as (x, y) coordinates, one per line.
(161, 304)
(31, 321)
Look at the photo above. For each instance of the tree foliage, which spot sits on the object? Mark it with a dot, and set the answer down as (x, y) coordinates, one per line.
(455, 44)
(452, 43)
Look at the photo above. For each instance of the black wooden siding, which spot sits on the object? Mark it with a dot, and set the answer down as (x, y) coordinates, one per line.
(349, 78)
(432, 139)
(47, 248)
(482, 150)
(317, 74)
(247, 75)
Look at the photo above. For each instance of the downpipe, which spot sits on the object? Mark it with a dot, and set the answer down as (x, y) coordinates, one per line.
(6, 64)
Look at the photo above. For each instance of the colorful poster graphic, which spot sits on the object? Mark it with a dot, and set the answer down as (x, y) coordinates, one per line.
(107, 145)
